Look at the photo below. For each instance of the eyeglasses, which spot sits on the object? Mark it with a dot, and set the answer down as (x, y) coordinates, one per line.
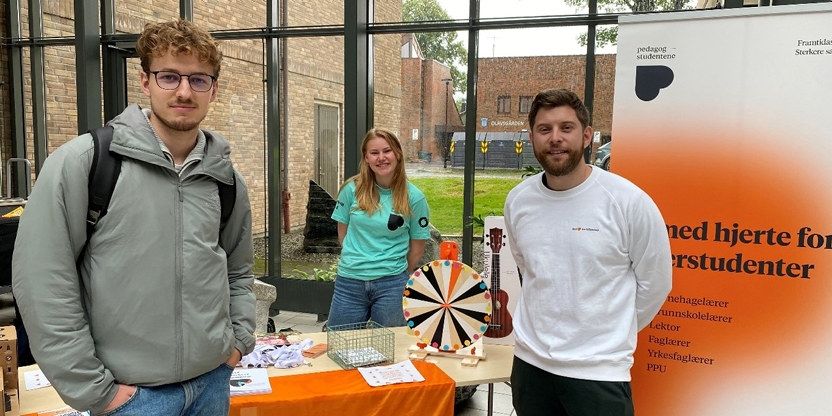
(168, 80)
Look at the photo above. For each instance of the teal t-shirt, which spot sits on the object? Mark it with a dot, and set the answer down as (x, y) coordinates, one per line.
(376, 246)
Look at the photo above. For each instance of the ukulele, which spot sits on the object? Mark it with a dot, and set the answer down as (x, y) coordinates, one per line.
(500, 325)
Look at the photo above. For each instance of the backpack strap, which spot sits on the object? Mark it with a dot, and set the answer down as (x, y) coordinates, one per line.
(104, 172)
(228, 196)
(227, 193)
(103, 175)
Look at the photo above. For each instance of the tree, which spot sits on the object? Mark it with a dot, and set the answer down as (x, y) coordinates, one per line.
(443, 47)
(609, 35)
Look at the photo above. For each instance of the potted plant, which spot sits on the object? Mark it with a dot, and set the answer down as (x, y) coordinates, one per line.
(307, 292)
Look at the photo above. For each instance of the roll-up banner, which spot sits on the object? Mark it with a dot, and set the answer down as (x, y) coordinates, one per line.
(725, 118)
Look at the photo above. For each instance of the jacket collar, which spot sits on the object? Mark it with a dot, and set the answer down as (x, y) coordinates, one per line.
(133, 138)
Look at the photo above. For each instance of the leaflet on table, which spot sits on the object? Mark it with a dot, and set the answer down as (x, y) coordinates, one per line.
(35, 380)
(66, 411)
(249, 381)
(403, 372)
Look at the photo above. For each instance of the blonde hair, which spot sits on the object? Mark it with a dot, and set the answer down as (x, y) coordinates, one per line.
(366, 193)
(178, 37)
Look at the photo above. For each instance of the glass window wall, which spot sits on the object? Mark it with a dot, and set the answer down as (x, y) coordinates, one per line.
(421, 11)
(419, 81)
(531, 8)
(312, 121)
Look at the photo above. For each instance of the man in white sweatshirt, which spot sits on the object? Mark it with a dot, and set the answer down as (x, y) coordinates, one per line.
(595, 259)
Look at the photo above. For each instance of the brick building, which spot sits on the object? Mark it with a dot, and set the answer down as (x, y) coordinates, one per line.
(505, 90)
(506, 87)
(314, 80)
(428, 110)
(410, 99)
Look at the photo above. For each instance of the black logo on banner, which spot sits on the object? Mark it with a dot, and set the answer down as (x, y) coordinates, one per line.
(394, 222)
(650, 79)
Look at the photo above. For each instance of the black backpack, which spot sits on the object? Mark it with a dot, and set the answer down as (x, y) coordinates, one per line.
(106, 166)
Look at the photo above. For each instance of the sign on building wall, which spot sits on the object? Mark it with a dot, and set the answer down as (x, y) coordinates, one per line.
(723, 118)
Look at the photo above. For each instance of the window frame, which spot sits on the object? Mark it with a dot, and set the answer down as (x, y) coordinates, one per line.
(528, 101)
(504, 107)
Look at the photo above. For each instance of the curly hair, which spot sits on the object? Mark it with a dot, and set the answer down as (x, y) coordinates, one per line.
(178, 37)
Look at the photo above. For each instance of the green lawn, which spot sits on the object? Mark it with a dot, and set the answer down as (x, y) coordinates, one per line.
(444, 197)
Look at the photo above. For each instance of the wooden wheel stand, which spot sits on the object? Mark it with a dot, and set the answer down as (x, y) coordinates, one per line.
(468, 356)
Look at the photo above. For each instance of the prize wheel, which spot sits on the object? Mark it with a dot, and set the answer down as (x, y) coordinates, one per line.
(447, 305)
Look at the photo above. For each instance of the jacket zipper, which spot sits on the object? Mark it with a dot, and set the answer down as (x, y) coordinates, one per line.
(180, 350)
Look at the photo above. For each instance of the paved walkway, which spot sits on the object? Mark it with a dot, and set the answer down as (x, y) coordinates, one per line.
(435, 169)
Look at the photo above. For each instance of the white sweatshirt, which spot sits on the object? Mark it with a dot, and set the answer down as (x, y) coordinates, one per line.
(596, 267)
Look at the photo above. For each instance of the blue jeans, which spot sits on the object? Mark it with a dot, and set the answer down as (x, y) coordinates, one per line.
(357, 301)
(205, 395)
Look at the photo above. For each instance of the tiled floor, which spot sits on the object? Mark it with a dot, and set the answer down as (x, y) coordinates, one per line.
(476, 406)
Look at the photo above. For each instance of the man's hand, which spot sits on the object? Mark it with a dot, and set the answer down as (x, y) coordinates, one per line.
(235, 358)
(123, 394)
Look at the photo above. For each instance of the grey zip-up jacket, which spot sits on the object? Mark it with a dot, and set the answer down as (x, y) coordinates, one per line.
(156, 299)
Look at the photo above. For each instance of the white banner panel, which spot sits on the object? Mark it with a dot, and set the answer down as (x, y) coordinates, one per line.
(723, 117)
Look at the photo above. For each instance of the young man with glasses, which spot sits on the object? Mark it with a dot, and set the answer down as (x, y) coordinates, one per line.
(158, 308)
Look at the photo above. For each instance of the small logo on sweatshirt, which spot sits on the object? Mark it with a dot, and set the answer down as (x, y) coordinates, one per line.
(585, 229)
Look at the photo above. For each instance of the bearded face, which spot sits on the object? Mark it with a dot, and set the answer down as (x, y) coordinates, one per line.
(558, 140)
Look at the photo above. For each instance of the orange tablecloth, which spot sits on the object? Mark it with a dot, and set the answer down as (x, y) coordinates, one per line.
(345, 393)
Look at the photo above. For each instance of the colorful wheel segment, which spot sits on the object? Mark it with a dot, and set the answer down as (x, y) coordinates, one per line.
(447, 305)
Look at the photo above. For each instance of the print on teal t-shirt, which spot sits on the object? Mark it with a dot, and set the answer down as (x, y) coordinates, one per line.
(377, 245)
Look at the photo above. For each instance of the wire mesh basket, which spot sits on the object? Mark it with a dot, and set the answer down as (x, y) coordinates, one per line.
(360, 345)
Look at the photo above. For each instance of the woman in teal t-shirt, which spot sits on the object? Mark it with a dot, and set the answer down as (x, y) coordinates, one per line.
(382, 226)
